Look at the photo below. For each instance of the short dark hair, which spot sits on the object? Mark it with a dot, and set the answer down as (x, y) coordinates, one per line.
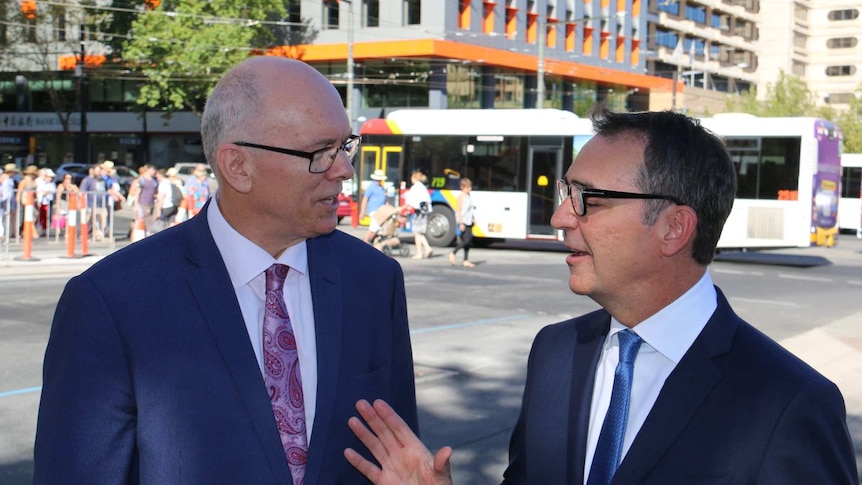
(684, 160)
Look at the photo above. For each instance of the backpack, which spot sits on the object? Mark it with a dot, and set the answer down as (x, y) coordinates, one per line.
(176, 195)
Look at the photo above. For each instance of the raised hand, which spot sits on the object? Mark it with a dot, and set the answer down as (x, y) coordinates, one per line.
(403, 458)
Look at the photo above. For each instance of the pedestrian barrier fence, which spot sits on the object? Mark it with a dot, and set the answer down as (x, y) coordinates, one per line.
(83, 218)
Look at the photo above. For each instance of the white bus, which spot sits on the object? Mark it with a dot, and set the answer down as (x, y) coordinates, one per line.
(850, 204)
(788, 171)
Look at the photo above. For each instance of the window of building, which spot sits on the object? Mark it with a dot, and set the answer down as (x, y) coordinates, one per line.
(412, 12)
(666, 38)
(841, 42)
(511, 22)
(840, 70)
(370, 13)
(59, 16)
(695, 13)
(845, 14)
(296, 28)
(4, 39)
(330, 14)
(840, 98)
(800, 12)
(671, 7)
(798, 69)
(30, 31)
(464, 15)
(490, 18)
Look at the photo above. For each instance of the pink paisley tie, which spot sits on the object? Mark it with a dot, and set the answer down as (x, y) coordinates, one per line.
(282, 377)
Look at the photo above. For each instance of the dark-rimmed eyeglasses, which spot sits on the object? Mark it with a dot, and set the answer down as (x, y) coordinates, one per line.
(579, 195)
(319, 161)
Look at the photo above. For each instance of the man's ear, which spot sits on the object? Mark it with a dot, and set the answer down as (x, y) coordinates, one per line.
(679, 226)
(235, 168)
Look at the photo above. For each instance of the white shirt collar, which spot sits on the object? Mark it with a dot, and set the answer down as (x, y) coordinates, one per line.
(244, 259)
(673, 329)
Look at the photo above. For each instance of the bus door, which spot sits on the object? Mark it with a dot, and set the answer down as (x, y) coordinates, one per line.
(378, 157)
(546, 166)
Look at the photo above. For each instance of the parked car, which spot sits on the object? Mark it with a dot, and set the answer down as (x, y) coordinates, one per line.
(78, 170)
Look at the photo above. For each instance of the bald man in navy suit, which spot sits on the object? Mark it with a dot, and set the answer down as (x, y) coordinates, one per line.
(154, 371)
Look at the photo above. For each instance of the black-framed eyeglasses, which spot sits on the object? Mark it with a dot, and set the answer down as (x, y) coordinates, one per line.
(319, 161)
(579, 194)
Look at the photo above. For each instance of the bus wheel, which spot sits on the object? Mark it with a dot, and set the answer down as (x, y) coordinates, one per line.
(441, 226)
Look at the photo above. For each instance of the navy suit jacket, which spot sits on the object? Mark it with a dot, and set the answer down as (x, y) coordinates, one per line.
(737, 409)
(149, 376)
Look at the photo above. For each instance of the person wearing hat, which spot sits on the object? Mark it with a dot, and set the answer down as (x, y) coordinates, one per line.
(7, 197)
(373, 199)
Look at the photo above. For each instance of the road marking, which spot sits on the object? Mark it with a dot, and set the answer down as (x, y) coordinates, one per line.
(804, 278)
(736, 272)
(20, 391)
(767, 302)
(469, 324)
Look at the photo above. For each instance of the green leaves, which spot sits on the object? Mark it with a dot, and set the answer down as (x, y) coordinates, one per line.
(790, 96)
(184, 46)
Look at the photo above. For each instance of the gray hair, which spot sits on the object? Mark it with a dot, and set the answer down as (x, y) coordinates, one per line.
(229, 111)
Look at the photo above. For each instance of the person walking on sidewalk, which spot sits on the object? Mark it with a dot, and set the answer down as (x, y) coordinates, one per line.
(464, 213)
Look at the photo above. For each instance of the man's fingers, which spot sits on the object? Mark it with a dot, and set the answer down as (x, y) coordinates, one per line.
(395, 424)
(441, 460)
(378, 425)
(369, 439)
(365, 467)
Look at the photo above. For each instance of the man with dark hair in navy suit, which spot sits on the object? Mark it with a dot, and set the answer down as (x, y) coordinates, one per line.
(665, 384)
(233, 347)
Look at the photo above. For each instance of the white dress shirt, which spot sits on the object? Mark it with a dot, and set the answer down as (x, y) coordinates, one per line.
(246, 263)
(666, 336)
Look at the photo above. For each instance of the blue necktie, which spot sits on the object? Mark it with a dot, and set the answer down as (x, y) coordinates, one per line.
(610, 445)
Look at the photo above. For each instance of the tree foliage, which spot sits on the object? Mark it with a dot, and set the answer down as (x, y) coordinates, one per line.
(850, 122)
(183, 46)
(790, 96)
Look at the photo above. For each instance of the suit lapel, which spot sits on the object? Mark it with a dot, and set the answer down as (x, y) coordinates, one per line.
(325, 278)
(588, 350)
(681, 396)
(210, 283)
